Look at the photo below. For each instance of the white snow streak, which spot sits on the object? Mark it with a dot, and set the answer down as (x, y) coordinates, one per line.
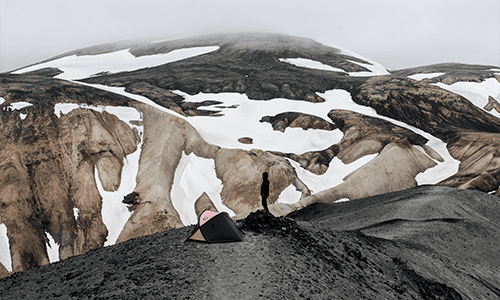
(421, 76)
(114, 213)
(2, 100)
(193, 176)
(311, 64)
(476, 92)
(52, 249)
(76, 213)
(78, 67)
(5, 248)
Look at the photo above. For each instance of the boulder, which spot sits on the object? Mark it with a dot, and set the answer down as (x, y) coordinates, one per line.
(203, 203)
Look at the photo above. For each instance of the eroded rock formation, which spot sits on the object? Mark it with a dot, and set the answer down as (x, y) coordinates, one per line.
(166, 137)
(297, 120)
(203, 203)
(47, 169)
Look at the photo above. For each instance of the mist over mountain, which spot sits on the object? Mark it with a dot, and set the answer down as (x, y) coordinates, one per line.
(116, 142)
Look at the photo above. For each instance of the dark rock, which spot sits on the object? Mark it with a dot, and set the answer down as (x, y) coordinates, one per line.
(246, 140)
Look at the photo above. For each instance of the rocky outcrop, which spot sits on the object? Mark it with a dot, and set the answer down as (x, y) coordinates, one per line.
(241, 172)
(297, 120)
(171, 100)
(427, 107)
(492, 104)
(203, 203)
(479, 155)
(316, 162)
(246, 140)
(47, 169)
(3, 271)
(166, 137)
(364, 135)
(452, 72)
(393, 169)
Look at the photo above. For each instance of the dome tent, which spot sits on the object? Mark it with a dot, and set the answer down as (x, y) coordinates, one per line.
(215, 227)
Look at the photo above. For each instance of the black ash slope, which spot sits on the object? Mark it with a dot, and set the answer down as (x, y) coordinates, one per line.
(278, 259)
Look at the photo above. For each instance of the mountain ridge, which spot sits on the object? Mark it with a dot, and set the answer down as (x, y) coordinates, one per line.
(360, 130)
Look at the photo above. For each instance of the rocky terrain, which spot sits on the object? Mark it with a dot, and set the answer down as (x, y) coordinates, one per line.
(201, 119)
(383, 247)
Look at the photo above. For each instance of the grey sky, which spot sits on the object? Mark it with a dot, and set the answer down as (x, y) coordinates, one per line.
(396, 33)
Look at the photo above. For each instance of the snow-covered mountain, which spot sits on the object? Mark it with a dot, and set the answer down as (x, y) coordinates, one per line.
(153, 129)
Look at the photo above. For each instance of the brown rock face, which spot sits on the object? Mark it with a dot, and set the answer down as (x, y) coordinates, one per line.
(241, 172)
(297, 120)
(492, 104)
(480, 161)
(47, 169)
(166, 137)
(3, 271)
(203, 203)
(246, 140)
(393, 169)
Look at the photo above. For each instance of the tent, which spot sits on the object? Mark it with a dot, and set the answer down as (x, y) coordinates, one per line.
(215, 227)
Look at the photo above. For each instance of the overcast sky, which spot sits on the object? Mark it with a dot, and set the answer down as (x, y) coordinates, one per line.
(395, 33)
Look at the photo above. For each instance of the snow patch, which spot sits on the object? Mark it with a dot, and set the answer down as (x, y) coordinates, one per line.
(476, 92)
(2, 100)
(193, 176)
(20, 105)
(289, 195)
(52, 249)
(421, 76)
(311, 64)
(374, 69)
(78, 67)
(76, 213)
(342, 200)
(5, 248)
(64, 108)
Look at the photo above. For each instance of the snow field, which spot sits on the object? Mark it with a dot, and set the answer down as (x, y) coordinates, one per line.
(475, 92)
(5, 248)
(421, 76)
(78, 67)
(193, 176)
(243, 121)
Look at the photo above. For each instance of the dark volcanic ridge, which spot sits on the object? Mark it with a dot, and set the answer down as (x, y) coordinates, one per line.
(280, 258)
